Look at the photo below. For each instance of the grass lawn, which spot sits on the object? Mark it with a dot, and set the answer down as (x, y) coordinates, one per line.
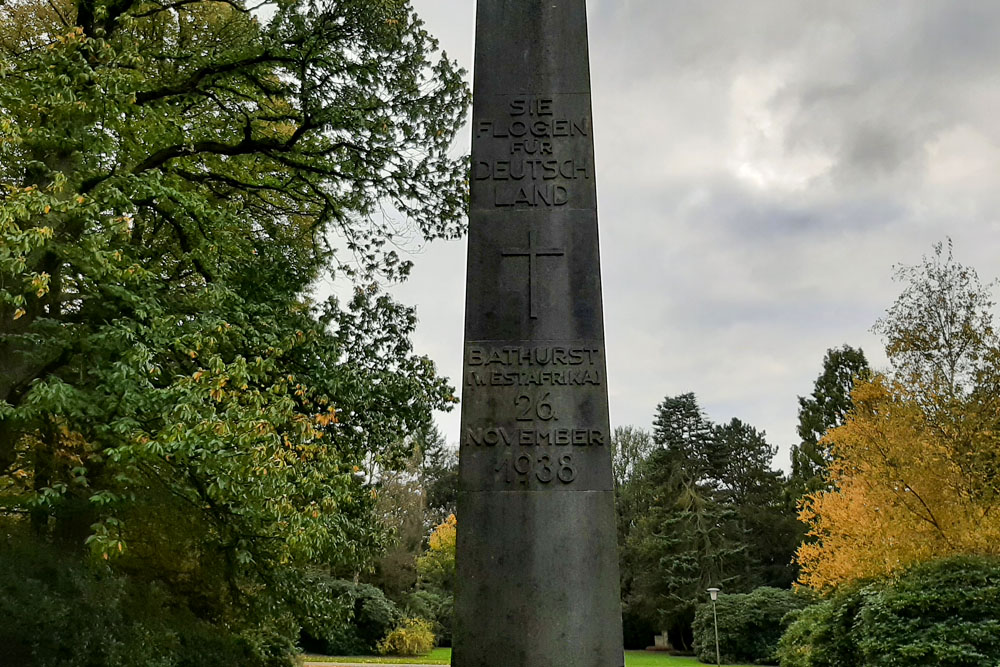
(442, 656)
(439, 656)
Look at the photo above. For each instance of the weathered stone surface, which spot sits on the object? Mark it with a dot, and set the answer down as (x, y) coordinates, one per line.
(537, 561)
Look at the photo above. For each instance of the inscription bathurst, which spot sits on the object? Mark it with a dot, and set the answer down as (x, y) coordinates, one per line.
(542, 366)
(515, 355)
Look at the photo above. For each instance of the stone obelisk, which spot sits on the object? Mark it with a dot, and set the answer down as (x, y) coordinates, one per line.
(537, 561)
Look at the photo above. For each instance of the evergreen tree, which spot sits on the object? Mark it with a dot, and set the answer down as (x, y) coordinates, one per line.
(438, 477)
(768, 526)
(824, 409)
(702, 508)
(681, 426)
(680, 544)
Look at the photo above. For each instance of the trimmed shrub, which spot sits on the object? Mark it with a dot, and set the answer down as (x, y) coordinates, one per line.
(356, 618)
(944, 613)
(750, 625)
(413, 637)
(822, 635)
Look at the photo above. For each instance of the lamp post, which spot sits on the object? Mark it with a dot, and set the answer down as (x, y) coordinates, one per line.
(714, 592)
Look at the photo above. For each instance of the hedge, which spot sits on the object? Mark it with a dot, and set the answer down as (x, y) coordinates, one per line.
(944, 613)
(750, 625)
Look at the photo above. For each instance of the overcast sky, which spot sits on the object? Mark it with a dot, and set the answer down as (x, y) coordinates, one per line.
(761, 167)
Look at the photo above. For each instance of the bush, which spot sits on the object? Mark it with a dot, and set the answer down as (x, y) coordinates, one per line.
(56, 610)
(351, 622)
(413, 637)
(436, 606)
(944, 613)
(823, 635)
(750, 625)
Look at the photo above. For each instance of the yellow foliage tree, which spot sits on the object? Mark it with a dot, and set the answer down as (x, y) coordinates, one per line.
(916, 466)
(436, 566)
(902, 493)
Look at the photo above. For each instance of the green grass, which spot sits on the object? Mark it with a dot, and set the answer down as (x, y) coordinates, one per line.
(655, 659)
(439, 656)
(442, 656)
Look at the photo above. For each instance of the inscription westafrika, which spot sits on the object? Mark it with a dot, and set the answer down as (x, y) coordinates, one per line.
(537, 561)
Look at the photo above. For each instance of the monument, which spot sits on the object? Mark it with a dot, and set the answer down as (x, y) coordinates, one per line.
(537, 560)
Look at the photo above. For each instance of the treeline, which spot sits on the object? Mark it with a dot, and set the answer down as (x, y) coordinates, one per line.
(888, 521)
(701, 505)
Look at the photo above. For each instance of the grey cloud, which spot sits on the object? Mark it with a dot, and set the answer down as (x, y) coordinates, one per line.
(761, 167)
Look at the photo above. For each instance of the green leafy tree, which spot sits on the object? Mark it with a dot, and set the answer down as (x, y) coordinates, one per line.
(939, 333)
(411, 498)
(826, 408)
(629, 447)
(401, 507)
(174, 177)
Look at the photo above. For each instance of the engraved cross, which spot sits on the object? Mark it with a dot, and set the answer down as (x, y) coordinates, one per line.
(532, 253)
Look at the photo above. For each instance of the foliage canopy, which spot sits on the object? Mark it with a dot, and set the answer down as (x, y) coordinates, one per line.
(174, 178)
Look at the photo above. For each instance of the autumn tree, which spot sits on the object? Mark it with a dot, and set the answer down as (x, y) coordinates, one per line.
(175, 177)
(916, 470)
(434, 598)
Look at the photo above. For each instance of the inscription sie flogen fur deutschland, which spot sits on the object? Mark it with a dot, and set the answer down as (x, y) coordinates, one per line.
(531, 171)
